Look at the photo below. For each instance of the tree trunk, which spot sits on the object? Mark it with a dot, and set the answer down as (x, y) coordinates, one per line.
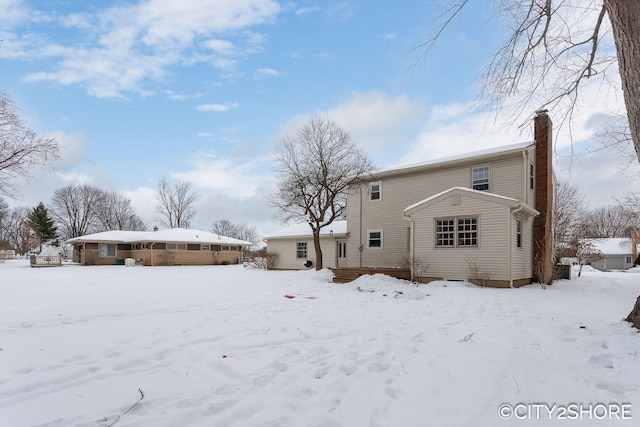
(634, 316)
(316, 245)
(625, 22)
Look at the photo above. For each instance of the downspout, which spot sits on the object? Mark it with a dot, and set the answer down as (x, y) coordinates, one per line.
(411, 243)
(525, 194)
(360, 247)
(151, 247)
(510, 245)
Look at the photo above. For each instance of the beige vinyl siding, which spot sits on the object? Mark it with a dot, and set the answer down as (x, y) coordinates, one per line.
(491, 254)
(286, 249)
(402, 190)
(522, 257)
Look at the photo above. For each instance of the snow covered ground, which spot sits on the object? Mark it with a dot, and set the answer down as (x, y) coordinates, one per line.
(224, 346)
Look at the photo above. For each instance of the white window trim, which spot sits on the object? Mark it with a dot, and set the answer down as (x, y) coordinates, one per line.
(375, 248)
(488, 178)
(532, 176)
(456, 237)
(379, 184)
(306, 250)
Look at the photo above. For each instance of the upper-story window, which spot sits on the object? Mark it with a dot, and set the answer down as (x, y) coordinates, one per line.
(480, 177)
(531, 176)
(375, 190)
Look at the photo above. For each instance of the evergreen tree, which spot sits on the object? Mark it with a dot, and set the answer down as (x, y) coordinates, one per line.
(42, 225)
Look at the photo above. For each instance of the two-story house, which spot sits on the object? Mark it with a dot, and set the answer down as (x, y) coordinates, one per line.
(484, 217)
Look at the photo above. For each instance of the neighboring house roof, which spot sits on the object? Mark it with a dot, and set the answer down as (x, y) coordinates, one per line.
(178, 235)
(304, 230)
(475, 156)
(476, 194)
(612, 246)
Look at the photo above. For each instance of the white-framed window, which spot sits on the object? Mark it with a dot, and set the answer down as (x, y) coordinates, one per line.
(457, 232)
(374, 239)
(301, 250)
(375, 191)
(480, 178)
(532, 175)
(468, 231)
(107, 249)
(205, 247)
(445, 233)
(518, 233)
(229, 248)
(629, 260)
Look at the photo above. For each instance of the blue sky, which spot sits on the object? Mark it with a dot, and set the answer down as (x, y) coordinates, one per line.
(204, 90)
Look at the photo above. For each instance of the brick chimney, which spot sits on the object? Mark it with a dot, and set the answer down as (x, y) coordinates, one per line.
(542, 225)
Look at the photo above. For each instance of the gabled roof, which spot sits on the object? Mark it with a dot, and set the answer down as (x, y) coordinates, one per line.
(483, 195)
(174, 235)
(304, 230)
(445, 161)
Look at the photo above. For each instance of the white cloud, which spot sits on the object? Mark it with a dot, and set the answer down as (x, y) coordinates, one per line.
(131, 44)
(307, 10)
(376, 120)
(236, 178)
(268, 72)
(216, 108)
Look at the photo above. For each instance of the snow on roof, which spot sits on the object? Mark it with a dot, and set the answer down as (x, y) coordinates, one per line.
(613, 245)
(303, 229)
(468, 190)
(465, 156)
(182, 235)
(108, 236)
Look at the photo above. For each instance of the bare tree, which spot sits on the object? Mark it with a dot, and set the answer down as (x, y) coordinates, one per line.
(115, 212)
(609, 221)
(224, 227)
(4, 214)
(554, 48)
(175, 203)
(16, 230)
(247, 232)
(73, 209)
(570, 210)
(314, 169)
(21, 149)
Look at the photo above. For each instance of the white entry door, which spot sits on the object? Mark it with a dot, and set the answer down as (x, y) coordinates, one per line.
(342, 253)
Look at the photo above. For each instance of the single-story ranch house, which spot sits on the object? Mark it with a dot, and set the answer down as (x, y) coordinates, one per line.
(176, 246)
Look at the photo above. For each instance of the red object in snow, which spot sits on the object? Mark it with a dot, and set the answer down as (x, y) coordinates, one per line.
(289, 296)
